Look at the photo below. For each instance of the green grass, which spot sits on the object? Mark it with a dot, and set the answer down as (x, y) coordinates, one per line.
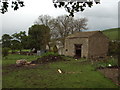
(11, 59)
(47, 76)
(112, 34)
(24, 50)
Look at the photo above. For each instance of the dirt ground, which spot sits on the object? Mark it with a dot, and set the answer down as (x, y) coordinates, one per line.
(13, 67)
(111, 73)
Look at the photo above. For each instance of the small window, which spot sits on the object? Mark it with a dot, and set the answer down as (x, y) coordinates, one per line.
(66, 50)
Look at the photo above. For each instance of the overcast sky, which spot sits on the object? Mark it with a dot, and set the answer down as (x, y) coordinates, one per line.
(101, 16)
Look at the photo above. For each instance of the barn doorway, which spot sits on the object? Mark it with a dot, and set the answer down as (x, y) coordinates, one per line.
(78, 49)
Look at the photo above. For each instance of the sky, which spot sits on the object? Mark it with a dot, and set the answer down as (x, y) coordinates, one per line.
(100, 16)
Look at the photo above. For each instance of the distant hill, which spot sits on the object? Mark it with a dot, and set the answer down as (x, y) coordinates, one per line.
(112, 33)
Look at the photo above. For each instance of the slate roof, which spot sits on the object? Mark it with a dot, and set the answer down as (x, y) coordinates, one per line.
(82, 34)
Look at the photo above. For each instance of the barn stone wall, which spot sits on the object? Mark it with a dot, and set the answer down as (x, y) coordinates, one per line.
(98, 45)
(69, 49)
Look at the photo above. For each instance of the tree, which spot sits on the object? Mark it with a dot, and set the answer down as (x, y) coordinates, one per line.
(16, 45)
(19, 36)
(73, 6)
(25, 42)
(43, 19)
(21, 39)
(16, 41)
(15, 5)
(62, 26)
(39, 36)
(6, 40)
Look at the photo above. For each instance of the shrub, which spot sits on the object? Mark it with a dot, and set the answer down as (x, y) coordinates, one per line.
(5, 52)
(114, 48)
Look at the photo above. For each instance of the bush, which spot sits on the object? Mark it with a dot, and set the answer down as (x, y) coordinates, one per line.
(114, 48)
(5, 52)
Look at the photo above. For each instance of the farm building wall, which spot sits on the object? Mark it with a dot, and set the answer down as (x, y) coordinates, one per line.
(61, 51)
(98, 45)
(69, 49)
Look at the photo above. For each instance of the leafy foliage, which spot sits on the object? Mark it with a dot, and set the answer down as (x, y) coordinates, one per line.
(114, 48)
(16, 45)
(22, 38)
(6, 40)
(73, 6)
(15, 5)
(39, 36)
(15, 41)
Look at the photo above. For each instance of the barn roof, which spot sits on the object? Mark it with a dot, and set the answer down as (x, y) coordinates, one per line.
(82, 34)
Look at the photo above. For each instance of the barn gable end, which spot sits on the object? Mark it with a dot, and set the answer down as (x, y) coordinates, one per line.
(98, 45)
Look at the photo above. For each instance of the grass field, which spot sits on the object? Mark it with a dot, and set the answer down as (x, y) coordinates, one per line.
(77, 74)
(113, 34)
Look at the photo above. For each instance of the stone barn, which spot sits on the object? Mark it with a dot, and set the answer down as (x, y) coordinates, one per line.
(92, 44)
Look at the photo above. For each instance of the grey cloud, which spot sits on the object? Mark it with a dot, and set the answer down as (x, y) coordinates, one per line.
(102, 17)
